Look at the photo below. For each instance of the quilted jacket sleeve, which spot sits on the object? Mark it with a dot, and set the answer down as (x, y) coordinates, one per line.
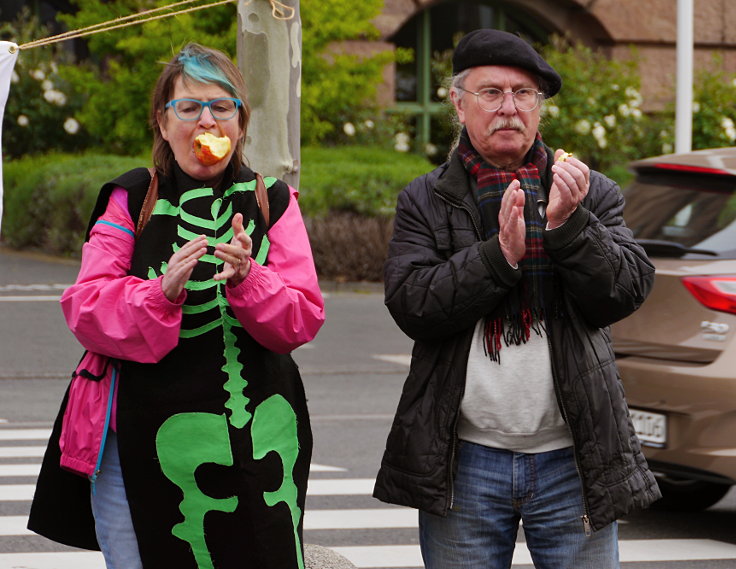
(605, 272)
(439, 277)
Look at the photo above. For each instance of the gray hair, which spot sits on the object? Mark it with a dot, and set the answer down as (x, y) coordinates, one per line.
(457, 81)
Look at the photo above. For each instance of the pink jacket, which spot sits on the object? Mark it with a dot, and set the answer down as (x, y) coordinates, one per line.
(120, 316)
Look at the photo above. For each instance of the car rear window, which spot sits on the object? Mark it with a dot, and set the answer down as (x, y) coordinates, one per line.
(677, 216)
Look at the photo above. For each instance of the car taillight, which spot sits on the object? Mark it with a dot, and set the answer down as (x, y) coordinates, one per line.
(717, 292)
(691, 169)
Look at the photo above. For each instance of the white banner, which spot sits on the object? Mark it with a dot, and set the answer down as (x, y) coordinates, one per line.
(8, 56)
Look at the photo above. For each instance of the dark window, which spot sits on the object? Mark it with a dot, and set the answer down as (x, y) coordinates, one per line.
(432, 35)
(696, 216)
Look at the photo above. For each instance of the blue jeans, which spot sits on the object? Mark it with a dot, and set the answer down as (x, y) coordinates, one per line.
(496, 489)
(113, 524)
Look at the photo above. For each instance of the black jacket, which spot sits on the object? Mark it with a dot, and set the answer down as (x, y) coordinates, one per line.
(441, 277)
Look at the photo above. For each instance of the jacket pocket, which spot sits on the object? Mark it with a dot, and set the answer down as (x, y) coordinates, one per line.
(87, 414)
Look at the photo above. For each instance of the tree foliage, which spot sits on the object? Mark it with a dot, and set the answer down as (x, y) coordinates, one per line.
(338, 85)
(125, 63)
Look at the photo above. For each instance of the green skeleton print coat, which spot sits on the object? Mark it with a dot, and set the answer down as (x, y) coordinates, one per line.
(210, 411)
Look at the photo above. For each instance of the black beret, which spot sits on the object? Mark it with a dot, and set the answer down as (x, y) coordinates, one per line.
(494, 47)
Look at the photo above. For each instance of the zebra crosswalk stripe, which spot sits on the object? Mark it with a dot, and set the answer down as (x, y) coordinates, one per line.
(14, 525)
(378, 518)
(630, 551)
(333, 489)
(19, 469)
(52, 560)
(24, 434)
(16, 492)
(321, 487)
(22, 452)
(372, 518)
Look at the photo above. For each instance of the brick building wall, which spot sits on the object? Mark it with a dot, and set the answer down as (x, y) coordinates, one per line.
(615, 26)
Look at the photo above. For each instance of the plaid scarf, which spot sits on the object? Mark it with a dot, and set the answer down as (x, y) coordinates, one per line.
(536, 295)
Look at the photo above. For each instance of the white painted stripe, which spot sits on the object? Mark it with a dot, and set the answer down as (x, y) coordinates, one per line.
(360, 519)
(313, 520)
(19, 469)
(22, 452)
(403, 359)
(405, 556)
(381, 555)
(38, 298)
(24, 434)
(631, 551)
(14, 525)
(16, 492)
(32, 469)
(675, 550)
(340, 487)
(72, 560)
(55, 286)
(324, 468)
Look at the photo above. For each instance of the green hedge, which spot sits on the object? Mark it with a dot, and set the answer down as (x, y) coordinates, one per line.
(48, 199)
(356, 179)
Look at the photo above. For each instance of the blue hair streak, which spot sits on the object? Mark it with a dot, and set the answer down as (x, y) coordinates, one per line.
(198, 67)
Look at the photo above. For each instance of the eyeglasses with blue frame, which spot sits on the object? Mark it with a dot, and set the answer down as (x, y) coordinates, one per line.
(191, 109)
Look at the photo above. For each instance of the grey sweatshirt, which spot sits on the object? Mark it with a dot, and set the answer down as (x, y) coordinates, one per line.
(512, 405)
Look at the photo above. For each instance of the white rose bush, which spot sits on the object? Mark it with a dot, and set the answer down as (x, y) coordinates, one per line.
(715, 94)
(597, 115)
(41, 108)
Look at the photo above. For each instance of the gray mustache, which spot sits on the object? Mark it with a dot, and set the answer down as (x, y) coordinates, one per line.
(512, 123)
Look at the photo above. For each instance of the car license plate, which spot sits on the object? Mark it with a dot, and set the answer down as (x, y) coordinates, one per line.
(651, 428)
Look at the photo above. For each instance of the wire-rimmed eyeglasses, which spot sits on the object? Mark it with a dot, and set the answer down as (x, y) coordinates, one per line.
(191, 109)
(491, 99)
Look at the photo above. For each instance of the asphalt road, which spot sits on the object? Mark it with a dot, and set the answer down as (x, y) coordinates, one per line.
(353, 373)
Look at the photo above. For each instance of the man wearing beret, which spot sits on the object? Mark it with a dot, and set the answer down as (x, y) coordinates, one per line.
(506, 267)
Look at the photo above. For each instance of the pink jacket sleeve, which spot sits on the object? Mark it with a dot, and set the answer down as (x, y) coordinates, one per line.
(110, 312)
(280, 305)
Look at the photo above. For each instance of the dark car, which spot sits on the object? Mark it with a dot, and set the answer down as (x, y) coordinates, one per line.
(677, 354)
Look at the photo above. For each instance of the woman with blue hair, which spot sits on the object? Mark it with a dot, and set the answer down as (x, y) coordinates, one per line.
(186, 418)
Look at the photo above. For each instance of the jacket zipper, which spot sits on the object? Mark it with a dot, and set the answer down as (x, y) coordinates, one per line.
(450, 478)
(103, 440)
(585, 518)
